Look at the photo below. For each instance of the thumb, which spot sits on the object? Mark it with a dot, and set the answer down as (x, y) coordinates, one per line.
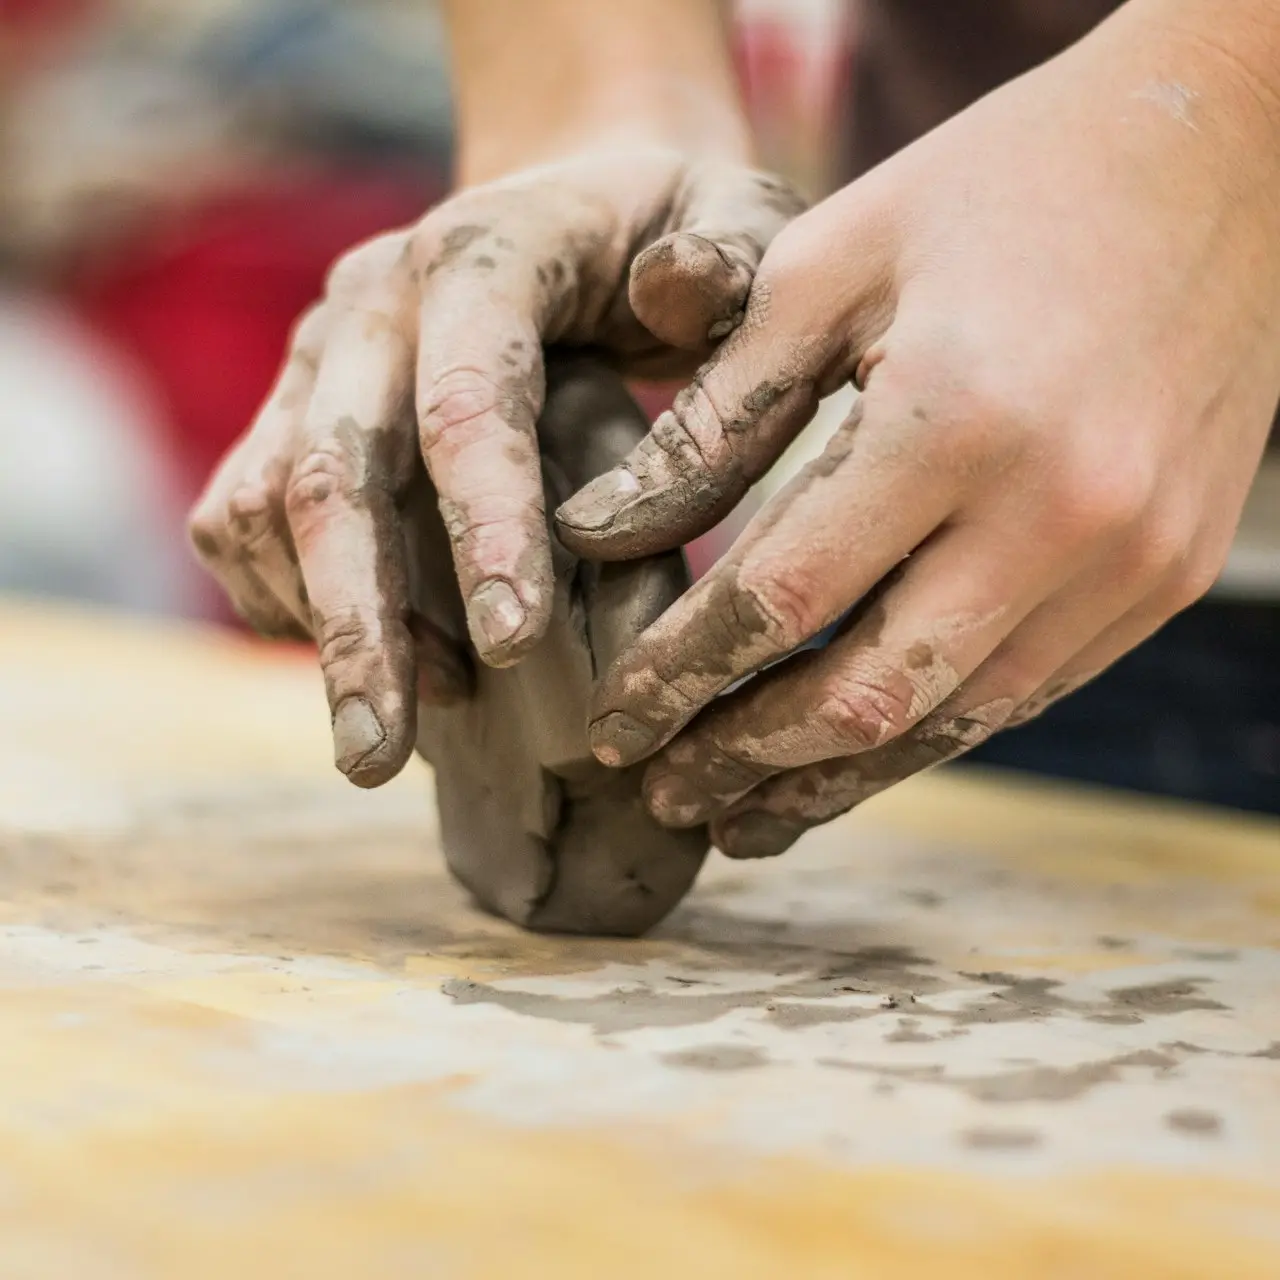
(690, 287)
(815, 307)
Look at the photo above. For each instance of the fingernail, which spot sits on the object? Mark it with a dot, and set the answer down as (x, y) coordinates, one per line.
(496, 612)
(758, 835)
(617, 739)
(675, 802)
(357, 733)
(596, 506)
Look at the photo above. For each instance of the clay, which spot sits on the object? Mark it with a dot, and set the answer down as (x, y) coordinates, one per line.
(536, 828)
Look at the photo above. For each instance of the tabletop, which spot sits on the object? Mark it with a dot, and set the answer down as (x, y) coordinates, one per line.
(248, 1026)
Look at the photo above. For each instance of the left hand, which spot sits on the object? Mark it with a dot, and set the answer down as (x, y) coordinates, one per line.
(428, 348)
(1062, 307)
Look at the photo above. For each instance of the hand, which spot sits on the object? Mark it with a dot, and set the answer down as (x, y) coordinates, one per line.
(641, 255)
(1061, 307)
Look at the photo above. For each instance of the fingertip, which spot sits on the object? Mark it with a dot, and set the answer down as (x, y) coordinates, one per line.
(366, 750)
(589, 522)
(618, 739)
(673, 800)
(755, 833)
(688, 290)
(504, 627)
(618, 517)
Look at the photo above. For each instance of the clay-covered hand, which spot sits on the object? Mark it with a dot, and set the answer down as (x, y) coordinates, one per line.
(1062, 310)
(428, 345)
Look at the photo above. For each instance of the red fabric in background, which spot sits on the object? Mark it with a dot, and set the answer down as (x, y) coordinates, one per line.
(28, 17)
(205, 308)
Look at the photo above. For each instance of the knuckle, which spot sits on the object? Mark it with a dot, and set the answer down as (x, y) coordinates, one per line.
(346, 277)
(206, 531)
(689, 433)
(1153, 553)
(727, 768)
(494, 542)
(363, 266)
(248, 513)
(1193, 579)
(319, 475)
(1092, 502)
(777, 605)
(972, 412)
(343, 636)
(308, 331)
(457, 398)
(862, 715)
(945, 367)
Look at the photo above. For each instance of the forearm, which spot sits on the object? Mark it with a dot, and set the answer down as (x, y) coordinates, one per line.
(536, 79)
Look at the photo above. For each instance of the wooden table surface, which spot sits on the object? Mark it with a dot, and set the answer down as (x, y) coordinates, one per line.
(249, 1028)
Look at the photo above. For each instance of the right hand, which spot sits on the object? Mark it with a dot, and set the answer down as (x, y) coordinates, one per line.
(428, 344)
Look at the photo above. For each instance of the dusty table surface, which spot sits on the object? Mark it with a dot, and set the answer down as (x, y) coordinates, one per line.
(249, 1028)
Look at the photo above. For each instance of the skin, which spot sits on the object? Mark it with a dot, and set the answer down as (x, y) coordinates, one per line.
(606, 201)
(1061, 310)
(1059, 306)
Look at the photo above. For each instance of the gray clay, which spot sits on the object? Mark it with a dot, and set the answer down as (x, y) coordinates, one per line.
(531, 823)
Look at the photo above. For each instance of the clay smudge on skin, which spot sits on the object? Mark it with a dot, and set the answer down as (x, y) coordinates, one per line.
(1044, 698)
(779, 197)
(370, 714)
(719, 636)
(206, 544)
(817, 793)
(691, 470)
(453, 244)
(689, 290)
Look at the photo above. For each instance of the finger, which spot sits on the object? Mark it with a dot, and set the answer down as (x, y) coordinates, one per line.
(690, 288)
(721, 434)
(238, 527)
(802, 334)
(481, 386)
(356, 455)
(1123, 636)
(1043, 662)
(823, 542)
(228, 532)
(956, 603)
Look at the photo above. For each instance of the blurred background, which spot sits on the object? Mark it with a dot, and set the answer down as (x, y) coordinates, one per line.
(178, 174)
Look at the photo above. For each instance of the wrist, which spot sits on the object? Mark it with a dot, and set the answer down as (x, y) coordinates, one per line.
(635, 112)
(534, 83)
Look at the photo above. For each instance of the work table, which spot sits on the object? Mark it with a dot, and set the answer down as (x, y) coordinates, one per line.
(250, 1028)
